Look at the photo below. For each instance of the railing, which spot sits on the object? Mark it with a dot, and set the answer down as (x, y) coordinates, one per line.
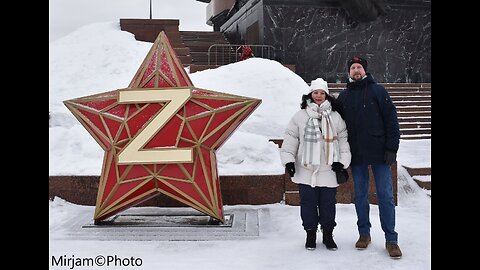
(230, 53)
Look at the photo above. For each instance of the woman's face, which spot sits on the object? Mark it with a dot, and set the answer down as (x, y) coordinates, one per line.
(318, 96)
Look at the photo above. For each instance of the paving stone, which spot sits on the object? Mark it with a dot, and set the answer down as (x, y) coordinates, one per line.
(162, 224)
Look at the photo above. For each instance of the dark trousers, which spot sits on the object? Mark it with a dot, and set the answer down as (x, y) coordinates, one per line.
(317, 206)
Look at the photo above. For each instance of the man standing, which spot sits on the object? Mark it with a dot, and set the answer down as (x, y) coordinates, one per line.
(374, 137)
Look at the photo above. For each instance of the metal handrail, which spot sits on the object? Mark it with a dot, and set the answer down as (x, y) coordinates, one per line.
(230, 52)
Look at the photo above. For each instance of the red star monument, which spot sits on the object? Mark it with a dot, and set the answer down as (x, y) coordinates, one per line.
(160, 135)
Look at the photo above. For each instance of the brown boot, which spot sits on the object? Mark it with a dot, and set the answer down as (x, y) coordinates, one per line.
(393, 250)
(363, 242)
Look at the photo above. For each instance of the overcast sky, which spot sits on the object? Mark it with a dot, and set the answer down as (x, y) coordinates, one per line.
(68, 15)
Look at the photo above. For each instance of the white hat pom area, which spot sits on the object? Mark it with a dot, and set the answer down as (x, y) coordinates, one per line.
(319, 83)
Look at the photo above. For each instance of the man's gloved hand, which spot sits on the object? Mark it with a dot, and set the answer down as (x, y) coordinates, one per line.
(390, 157)
(337, 166)
(290, 168)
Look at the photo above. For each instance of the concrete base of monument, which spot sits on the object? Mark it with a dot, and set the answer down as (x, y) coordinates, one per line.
(164, 224)
(161, 217)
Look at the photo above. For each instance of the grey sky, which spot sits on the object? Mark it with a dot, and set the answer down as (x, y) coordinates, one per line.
(67, 15)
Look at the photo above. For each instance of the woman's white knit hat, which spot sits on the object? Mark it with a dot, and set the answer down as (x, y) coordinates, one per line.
(319, 83)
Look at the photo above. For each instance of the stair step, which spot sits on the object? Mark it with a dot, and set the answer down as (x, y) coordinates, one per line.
(423, 181)
(407, 131)
(415, 136)
(427, 103)
(219, 40)
(182, 51)
(201, 43)
(414, 119)
(412, 108)
(219, 59)
(198, 67)
(422, 113)
(421, 176)
(420, 85)
(390, 85)
(396, 91)
(185, 59)
(410, 94)
(415, 125)
(198, 43)
(392, 91)
(418, 171)
(202, 34)
(214, 55)
(411, 98)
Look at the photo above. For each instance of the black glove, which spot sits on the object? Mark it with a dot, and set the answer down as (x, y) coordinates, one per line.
(390, 157)
(337, 166)
(290, 168)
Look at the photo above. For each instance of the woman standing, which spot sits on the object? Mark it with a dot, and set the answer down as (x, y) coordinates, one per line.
(314, 147)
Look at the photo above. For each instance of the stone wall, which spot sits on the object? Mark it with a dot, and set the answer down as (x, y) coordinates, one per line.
(242, 189)
(319, 36)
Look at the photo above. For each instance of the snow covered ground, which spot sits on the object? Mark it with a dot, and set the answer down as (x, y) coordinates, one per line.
(280, 244)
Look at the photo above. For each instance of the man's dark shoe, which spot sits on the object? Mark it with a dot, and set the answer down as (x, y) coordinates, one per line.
(310, 243)
(328, 240)
(393, 250)
(363, 242)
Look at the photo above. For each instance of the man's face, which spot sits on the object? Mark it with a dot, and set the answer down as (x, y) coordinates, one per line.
(356, 71)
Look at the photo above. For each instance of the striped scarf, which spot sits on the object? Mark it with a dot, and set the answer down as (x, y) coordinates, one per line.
(319, 116)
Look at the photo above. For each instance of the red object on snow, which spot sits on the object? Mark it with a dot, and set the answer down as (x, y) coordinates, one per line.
(246, 53)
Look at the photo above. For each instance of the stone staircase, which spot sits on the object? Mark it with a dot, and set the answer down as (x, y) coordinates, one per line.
(191, 47)
(148, 30)
(198, 43)
(422, 176)
(413, 103)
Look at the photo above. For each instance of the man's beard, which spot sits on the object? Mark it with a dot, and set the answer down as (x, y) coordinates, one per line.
(356, 77)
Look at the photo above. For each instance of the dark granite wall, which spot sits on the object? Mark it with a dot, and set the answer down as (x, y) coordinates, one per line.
(319, 36)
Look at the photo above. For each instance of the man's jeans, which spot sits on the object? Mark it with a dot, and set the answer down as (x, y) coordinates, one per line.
(386, 205)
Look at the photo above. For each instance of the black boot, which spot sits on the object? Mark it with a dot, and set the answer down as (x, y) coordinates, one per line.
(311, 244)
(328, 239)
